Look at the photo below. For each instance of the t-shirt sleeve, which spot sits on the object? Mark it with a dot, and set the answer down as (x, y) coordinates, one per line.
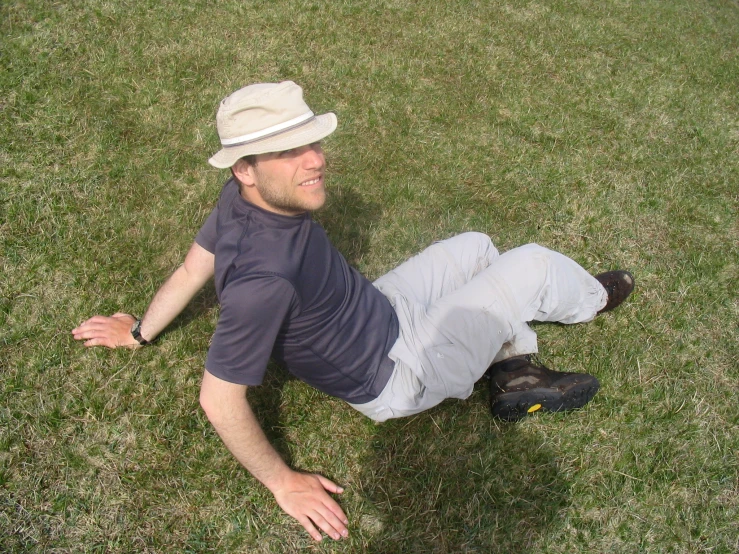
(252, 312)
(207, 236)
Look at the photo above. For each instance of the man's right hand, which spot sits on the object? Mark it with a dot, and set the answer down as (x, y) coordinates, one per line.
(112, 332)
(304, 496)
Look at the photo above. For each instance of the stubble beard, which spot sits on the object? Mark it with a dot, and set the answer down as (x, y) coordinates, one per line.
(284, 201)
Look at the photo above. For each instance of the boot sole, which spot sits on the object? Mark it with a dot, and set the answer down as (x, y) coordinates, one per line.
(513, 406)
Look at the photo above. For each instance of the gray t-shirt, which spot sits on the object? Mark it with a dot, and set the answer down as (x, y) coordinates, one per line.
(285, 291)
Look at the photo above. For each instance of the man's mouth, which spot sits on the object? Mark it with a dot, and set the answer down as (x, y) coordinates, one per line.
(311, 182)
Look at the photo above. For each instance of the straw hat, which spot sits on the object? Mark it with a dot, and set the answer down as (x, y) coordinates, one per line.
(267, 117)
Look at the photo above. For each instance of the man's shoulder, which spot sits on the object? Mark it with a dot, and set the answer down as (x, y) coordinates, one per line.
(263, 262)
(259, 290)
(258, 286)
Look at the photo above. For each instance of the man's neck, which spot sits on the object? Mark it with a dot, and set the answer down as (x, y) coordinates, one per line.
(259, 202)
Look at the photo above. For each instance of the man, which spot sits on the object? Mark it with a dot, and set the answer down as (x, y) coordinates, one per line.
(426, 331)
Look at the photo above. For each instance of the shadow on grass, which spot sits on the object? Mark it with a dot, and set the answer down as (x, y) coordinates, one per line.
(345, 218)
(450, 480)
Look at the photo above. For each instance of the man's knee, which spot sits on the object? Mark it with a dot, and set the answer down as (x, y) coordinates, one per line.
(532, 259)
(472, 251)
(481, 238)
(472, 240)
(532, 246)
(533, 250)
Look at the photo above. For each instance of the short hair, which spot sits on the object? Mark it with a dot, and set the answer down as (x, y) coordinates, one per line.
(251, 160)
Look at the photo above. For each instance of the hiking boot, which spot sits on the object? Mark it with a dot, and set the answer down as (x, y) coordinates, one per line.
(618, 284)
(522, 385)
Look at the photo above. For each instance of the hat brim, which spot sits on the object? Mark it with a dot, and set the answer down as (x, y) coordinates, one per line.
(317, 128)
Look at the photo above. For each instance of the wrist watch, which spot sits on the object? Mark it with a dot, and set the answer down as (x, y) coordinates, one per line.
(136, 332)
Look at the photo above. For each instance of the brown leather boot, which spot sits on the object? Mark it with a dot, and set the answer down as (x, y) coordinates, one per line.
(522, 385)
(619, 285)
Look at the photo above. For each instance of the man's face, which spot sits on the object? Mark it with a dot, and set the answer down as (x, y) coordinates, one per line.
(289, 182)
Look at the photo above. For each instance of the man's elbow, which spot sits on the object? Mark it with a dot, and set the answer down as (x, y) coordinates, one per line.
(221, 401)
(209, 399)
(207, 404)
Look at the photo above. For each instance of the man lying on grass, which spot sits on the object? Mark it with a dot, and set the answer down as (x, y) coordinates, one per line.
(426, 331)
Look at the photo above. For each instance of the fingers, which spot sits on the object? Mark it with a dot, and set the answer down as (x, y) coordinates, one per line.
(108, 343)
(336, 511)
(93, 331)
(95, 327)
(93, 324)
(326, 521)
(110, 332)
(92, 321)
(329, 485)
(98, 320)
(96, 342)
(326, 513)
(308, 526)
(308, 501)
(329, 523)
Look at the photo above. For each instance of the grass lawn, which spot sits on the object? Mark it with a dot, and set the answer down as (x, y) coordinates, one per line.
(606, 130)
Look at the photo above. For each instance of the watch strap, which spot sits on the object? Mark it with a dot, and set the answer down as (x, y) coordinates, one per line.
(136, 333)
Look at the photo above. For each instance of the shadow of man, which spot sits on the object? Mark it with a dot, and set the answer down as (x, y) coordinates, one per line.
(454, 480)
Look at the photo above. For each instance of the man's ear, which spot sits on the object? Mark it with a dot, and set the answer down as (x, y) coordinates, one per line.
(244, 172)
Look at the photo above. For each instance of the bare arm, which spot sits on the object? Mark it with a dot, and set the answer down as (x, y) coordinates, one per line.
(301, 495)
(167, 304)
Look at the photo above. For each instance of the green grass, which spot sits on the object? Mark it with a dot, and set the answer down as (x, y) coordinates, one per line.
(606, 130)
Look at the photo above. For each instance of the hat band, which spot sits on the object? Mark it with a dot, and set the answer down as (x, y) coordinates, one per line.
(280, 127)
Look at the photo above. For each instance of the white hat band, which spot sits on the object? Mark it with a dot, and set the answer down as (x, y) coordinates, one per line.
(244, 139)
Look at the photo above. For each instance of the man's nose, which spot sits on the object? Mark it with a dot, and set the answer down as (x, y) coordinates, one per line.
(313, 157)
